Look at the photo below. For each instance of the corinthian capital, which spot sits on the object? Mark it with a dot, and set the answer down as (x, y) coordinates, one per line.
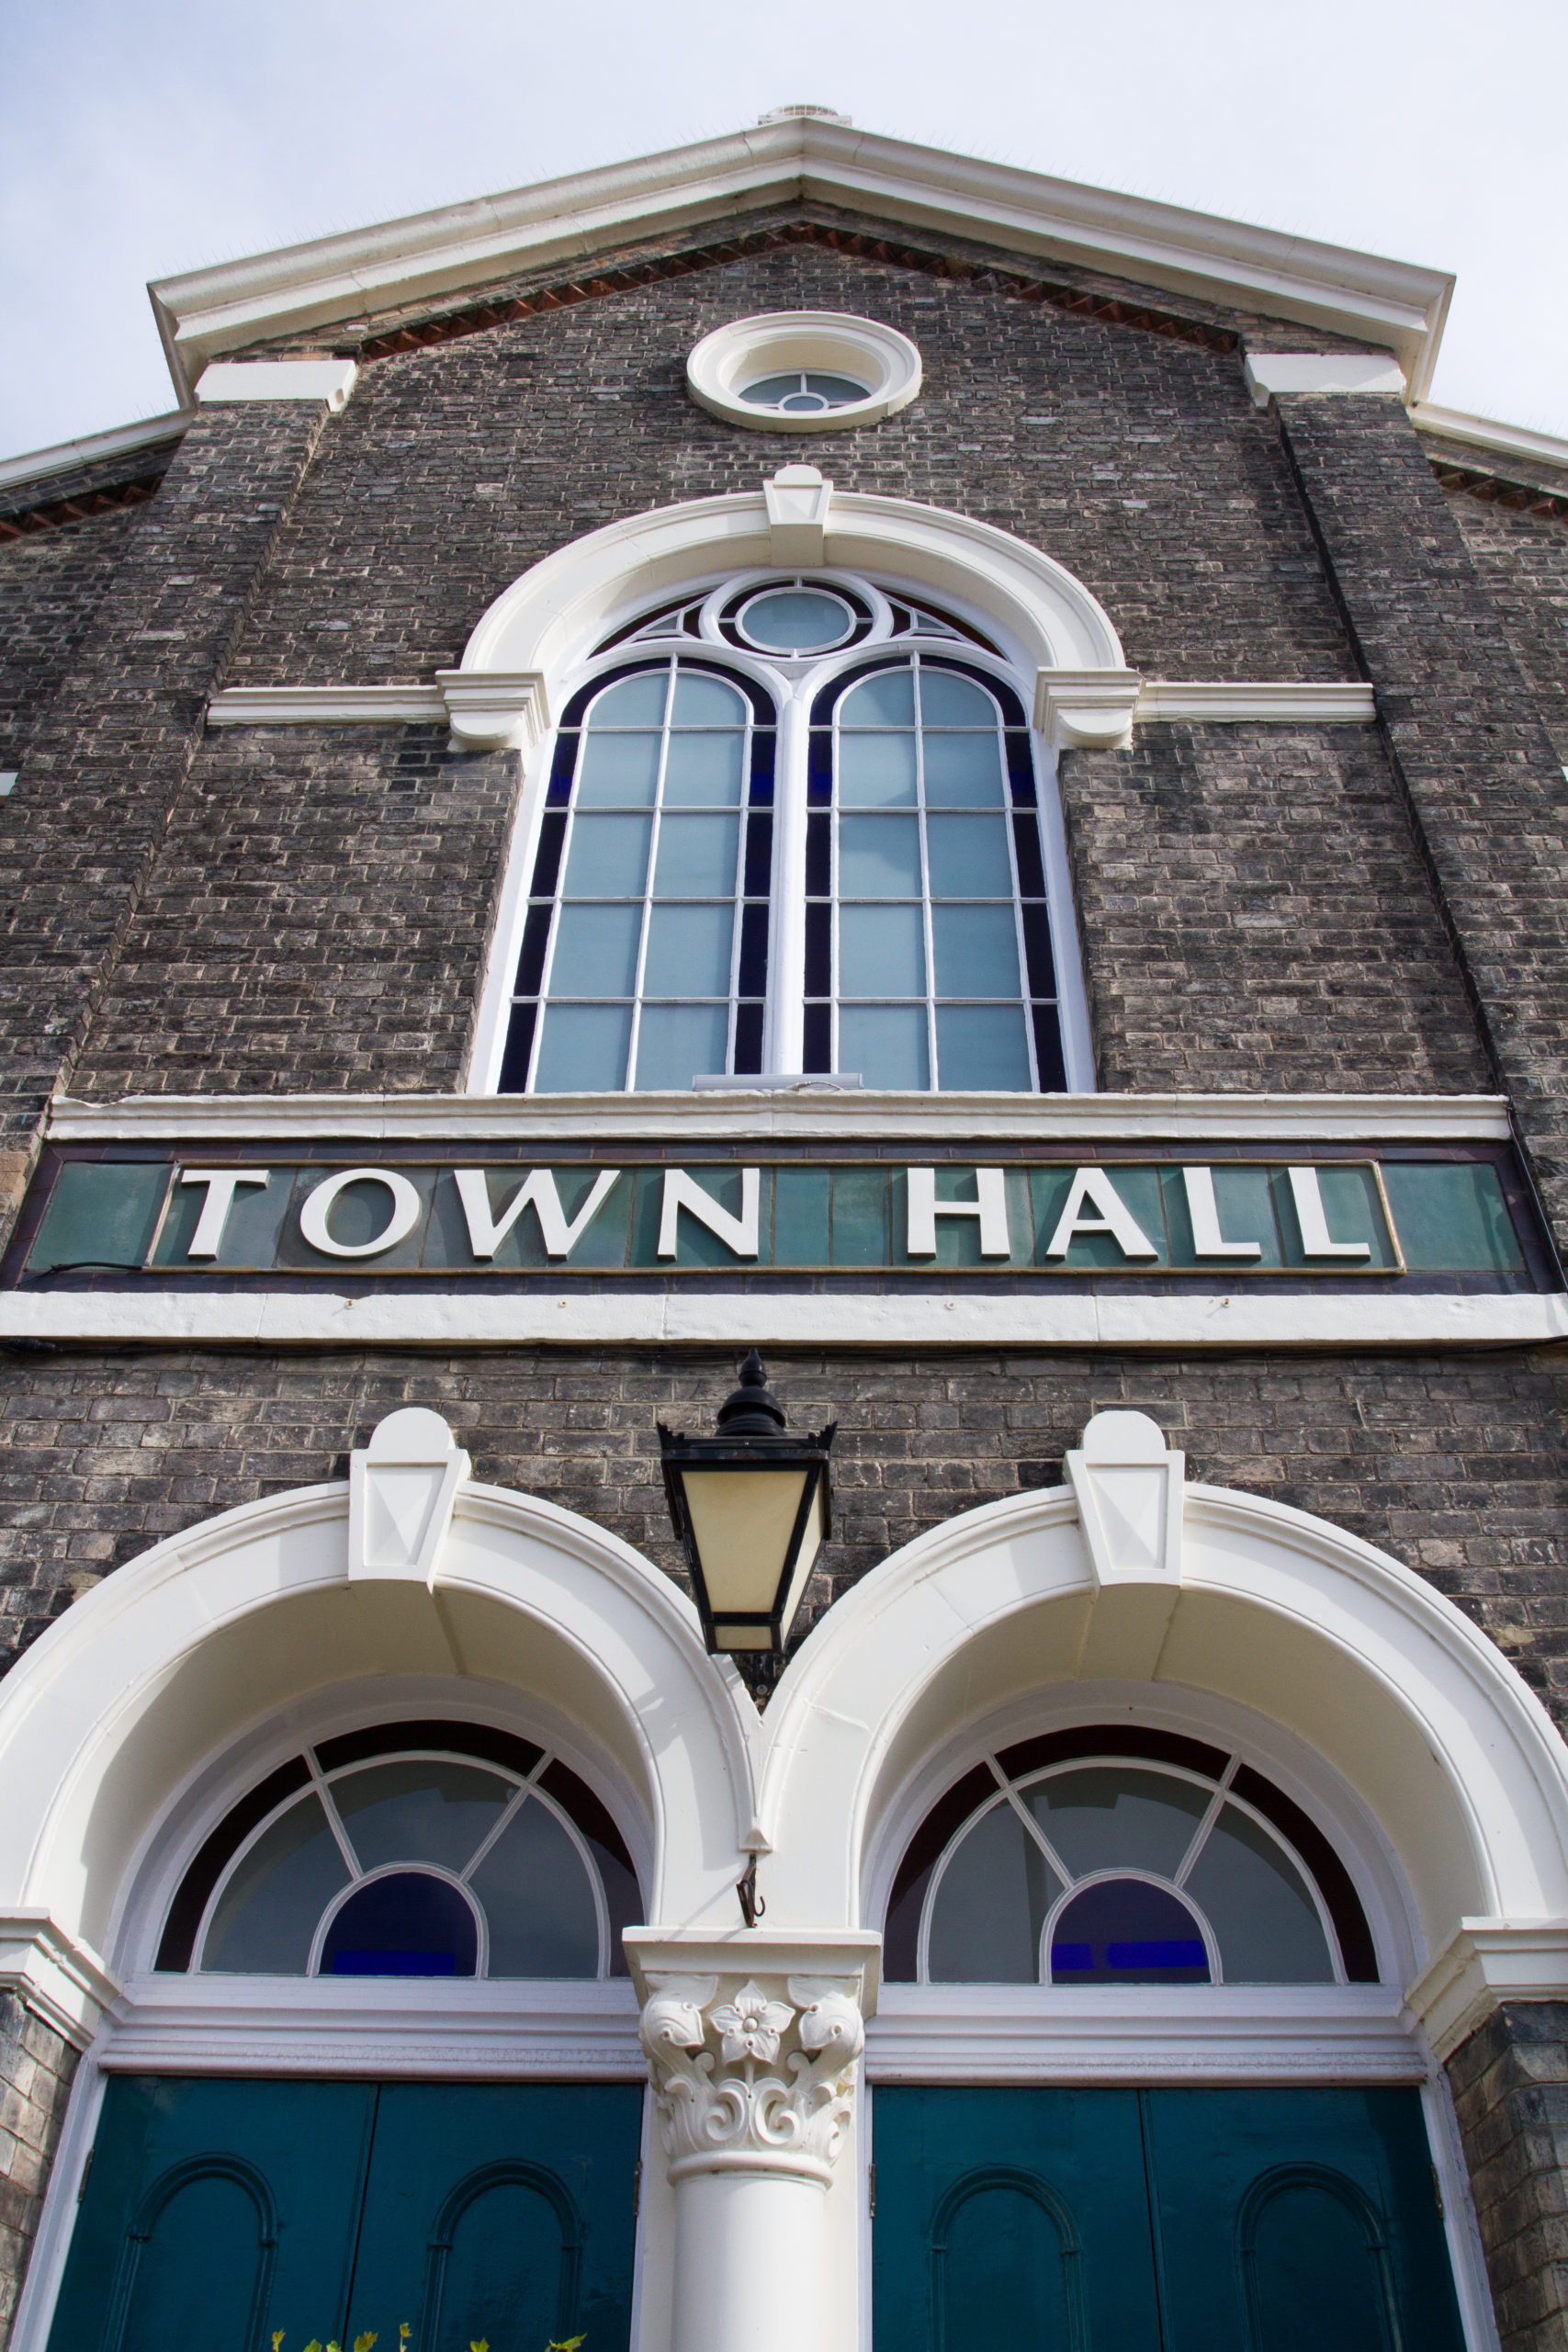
(754, 2067)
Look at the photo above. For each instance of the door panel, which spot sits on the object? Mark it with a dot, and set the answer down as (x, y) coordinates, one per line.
(214, 2212)
(1012, 2217)
(1290, 2218)
(501, 2212)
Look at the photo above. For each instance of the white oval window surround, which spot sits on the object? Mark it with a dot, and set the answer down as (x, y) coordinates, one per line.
(803, 372)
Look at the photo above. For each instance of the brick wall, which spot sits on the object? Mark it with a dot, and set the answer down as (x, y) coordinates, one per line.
(49, 584)
(1456, 1464)
(1510, 2086)
(36, 2069)
(1523, 558)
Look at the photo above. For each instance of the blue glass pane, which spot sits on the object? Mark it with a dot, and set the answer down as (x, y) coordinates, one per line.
(537, 1900)
(947, 701)
(969, 857)
(679, 1042)
(876, 771)
(796, 620)
(697, 857)
(983, 1047)
(976, 951)
(885, 699)
(419, 1812)
(689, 951)
(963, 772)
(702, 700)
(879, 857)
(1124, 1931)
(618, 771)
(608, 857)
(407, 1925)
(584, 1050)
(840, 389)
(1111, 1816)
(768, 391)
(1264, 1920)
(596, 951)
(703, 771)
(266, 1915)
(633, 702)
(884, 1043)
(991, 1906)
(882, 952)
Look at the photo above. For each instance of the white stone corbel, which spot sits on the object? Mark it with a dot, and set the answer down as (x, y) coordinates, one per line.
(403, 1488)
(1486, 1963)
(494, 710)
(797, 500)
(61, 1980)
(1130, 1487)
(1089, 710)
(229, 381)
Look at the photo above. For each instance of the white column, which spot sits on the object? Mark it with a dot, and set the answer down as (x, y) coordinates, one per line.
(753, 2059)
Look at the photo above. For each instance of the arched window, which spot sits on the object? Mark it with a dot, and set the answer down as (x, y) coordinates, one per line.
(791, 824)
(413, 1849)
(1122, 1857)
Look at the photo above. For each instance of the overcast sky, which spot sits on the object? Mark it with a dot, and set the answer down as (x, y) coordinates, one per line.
(142, 141)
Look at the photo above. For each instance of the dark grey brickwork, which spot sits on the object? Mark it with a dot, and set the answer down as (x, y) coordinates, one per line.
(49, 584)
(1523, 558)
(1254, 916)
(1510, 2086)
(1456, 1464)
(36, 2069)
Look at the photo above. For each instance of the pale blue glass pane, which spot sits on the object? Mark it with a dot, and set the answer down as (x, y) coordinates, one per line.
(1258, 1907)
(768, 391)
(679, 1042)
(635, 702)
(584, 1050)
(969, 857)
(608, 857)
(266, 1915)
(879, 857)
(885, 1043)
(595, 951)
(991, 1906)
(885, 699)
(704, 701)
(796, 620)
(420, 1812)
(537, 1900)
(1115, 1816)
(876, 771)
(882, 952)
(704, 769)
(976, 951)
(982, 1046)
(697, 857)
(618, 771)
(838, 389)
(688, 951)
(947, 701)
(963, 772)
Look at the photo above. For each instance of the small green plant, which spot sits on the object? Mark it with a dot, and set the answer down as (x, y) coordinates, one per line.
(367, 2342)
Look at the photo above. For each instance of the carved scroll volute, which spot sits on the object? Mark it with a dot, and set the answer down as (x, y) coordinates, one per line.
(753, 2075)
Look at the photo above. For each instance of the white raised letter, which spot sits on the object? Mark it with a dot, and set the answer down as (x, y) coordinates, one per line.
(404, 1214)
(1093, 1185)
(1204, 1211)
(221, 1184)
(1313, 1219)
(989, 1204)
(737, 1233)
(487, 1231)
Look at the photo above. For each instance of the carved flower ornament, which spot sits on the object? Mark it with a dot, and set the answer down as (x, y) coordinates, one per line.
(791, 2118)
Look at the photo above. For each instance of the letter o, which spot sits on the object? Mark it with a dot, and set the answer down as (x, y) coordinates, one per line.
(317, 1205)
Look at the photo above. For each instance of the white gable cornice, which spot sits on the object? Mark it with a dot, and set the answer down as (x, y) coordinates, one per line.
(430, 257)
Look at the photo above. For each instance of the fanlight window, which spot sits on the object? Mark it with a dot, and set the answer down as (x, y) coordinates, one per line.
(803, 392)
(417, 1850)
(894, 925)
(1110, 1858)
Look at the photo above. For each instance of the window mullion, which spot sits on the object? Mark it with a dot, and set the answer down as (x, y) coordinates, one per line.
(783, 1028)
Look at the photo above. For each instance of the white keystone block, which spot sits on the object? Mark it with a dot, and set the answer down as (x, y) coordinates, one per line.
(1269, 372)
(401, 1490)
(798, 501)
(1129, 1487)
(279, 379)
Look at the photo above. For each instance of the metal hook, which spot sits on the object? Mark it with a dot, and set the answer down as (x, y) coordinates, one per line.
(752, 1907)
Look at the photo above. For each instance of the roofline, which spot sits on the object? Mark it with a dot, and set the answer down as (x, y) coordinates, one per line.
(427, 257)
(1488, 432)
(120, 441)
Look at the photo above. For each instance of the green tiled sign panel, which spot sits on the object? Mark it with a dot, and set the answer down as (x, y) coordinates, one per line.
(1420, 1216)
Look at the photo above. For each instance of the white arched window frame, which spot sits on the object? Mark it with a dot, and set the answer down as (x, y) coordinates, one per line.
(699, 630)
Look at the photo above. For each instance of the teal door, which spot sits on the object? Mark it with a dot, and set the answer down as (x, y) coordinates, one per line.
(1162, 2221)
(217, 2211)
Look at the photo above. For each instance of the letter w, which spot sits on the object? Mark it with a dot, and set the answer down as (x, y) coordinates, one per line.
(487, 1231)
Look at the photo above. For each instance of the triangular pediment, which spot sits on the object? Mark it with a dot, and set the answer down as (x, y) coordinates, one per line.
(437, 258)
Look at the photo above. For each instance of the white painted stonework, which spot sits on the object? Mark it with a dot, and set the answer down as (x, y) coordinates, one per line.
(278, 379)
(1269, 372)
(744, 351)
